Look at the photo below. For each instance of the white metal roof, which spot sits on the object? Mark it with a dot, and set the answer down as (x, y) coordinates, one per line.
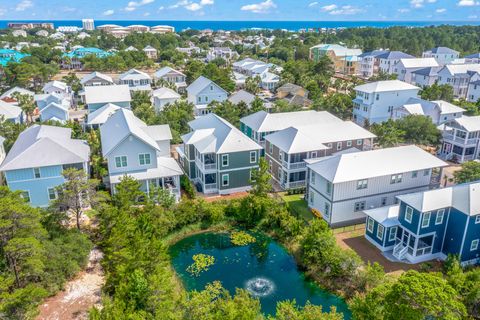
(419, 62)
(199, 84)
(386, 216)
(454, 69)
(134, 74)
(469, 123)
(166, 167)
(241, 96)
(212, 134)
(9, 93)
(314, 137)
(40, 146)
(270, 122)
(101, 115)
(375, 163)
(384, 86)
(464, 197)
(165, 93)
(165, 70)
(9, 111)
(94, 75)
(107, 94)
(122, 124)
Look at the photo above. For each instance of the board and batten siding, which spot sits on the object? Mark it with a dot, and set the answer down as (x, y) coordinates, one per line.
(131, 147)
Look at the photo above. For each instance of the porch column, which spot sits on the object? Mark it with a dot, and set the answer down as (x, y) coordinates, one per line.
(148, 187)
(163, 183)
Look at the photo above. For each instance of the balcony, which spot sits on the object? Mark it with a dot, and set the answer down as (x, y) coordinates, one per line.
(206, 164)
(210, 188)
(294, 184)
(463, 141)
(294, 165)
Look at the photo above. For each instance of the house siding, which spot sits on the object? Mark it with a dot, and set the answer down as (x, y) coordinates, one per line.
(131, 147)
(472, 233)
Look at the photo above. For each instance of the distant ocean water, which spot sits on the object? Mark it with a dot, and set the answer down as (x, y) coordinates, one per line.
(240, 25)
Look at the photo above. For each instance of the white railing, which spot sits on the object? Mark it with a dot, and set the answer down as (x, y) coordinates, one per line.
(296, 165)
(210, 186)
(463, 141)
(205, 167)
(399, 251)
(296, 184)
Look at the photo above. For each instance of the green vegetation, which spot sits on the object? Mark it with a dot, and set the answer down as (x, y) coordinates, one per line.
(298, 206)
(470, 171)
(241, 238)
(201, 262)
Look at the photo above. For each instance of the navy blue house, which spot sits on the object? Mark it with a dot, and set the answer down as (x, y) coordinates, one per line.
(429, 225)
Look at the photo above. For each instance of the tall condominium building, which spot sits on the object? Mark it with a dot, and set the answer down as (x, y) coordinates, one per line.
(88, 24)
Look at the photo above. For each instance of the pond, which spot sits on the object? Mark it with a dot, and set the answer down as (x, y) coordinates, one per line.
(264, 268)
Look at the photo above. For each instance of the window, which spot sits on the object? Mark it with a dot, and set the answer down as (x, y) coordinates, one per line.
(329, 187)
(253, 156)
(224, 160)
(339, 146)
(52, 195)
(25, 195)
(396, 178)
(426, 219)
(313, 154)
(380, 231)
(414, 174)
(426, 172)
(36, 173)
(121, 161)
(252, 175)
(384, 201)
(270, 168)
(225, 180)
(349, 143)
(362, 184)
(311, 198)
(329, 146)
(144, 158)
(359, 206)
(393, 234)
(359, 142)
(408, 214)
(270, 148)
(327, 209)
(477, 219)
(474, 245)
(439, 217)
(312, 177)
(370, 225)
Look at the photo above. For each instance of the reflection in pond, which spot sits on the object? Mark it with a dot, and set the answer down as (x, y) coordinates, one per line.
(263, 268)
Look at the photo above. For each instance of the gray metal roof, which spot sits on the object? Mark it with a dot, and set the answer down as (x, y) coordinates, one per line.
(40, 146)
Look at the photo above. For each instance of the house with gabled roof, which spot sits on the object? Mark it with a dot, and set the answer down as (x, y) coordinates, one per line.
(142, 152)
(443, 55)
(98, 96)
(36, 161)
(164, 96)
(341, 187)
(458, 76)
(172, 76)
(10, 112)
(404, 67)
(438, 111)
(388, 59)
(96, 79)
(100, 116)
(218, 157)
(202, 92)
(429, 225)
(136, 80)
(461, 139)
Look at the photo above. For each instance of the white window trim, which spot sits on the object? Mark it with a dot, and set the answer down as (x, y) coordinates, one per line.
(380, 227)
(228, 160)
(393, 233)
(440, 213)
(144, 154)
(474, 245)
(39, 173)
(54, 193)
(370, 224)
(407, 210)
(126, 160)
(28, 193)
(223, 180)
(429, 215)
(477, 219)
(254, 153)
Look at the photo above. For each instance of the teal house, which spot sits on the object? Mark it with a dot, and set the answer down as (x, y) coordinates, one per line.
(9, 55)
(37, 160)
(73, 59)
(98, 96)
(218, 157)
(429, 225)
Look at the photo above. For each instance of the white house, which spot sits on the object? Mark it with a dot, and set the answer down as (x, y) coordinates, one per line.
(10, 112)
(404, 67)
(472, 58)
(267, 72)
(55, 112)
(172, 76)
(425, 77)
(98, 117)
(151, 52)
(163, 96)
(376, 101)
(443, 55)
(369, 64)
(203, 91)
(143, 152)
(461, 139)
(242, 96)
(224, 53)
(96, 79)
(438, 111)
(458, 76)
(473, 92)
(11, 92)
(98, 96)
(136, 80)
(60, 88)
(341, 187)
(387, 60)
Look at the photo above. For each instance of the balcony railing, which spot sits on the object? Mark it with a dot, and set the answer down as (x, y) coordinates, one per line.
(205, 166)
(294, 184)
(295, 165)
(463, 141)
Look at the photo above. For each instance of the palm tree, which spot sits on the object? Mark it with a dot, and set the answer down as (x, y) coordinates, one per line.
(27, 104)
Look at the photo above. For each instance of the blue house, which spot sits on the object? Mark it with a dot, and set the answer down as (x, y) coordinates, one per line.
(37, 159)
(429, 225)
(73, 59)
(98, 96)
(9, 55)
(202, 92)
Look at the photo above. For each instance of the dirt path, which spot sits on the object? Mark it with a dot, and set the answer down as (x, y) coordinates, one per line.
(80, 294)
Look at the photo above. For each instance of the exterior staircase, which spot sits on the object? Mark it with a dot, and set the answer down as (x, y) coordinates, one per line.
(399, 251)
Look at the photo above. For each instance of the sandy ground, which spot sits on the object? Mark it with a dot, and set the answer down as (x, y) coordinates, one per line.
(80, 294)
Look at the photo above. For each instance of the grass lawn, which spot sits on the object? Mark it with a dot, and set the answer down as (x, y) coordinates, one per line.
(298, 205)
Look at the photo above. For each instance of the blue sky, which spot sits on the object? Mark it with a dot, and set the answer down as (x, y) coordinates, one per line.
(241, 9)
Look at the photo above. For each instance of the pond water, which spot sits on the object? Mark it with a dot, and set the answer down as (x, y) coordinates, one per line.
(264, 268)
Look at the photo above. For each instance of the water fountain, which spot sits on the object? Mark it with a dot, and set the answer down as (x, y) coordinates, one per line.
(259, 287)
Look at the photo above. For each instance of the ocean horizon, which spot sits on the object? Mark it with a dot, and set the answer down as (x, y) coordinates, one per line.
(250, 24)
